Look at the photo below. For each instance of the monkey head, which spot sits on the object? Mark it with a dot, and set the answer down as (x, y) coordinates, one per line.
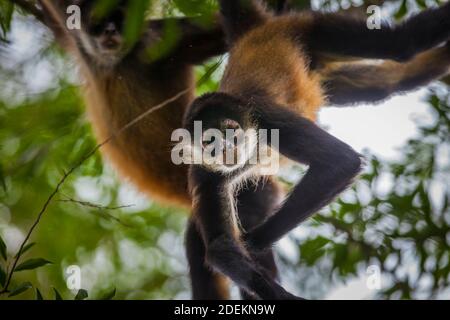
(228, 137)
(101, 35)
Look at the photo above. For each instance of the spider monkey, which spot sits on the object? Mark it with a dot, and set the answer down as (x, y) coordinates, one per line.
(120, 84)
(277, 79)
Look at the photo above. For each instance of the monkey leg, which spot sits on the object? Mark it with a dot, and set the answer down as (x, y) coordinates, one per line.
(351, 83)
(344, 35)
(206, 284)
(255, 203)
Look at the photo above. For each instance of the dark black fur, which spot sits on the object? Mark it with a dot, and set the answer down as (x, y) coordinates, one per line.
(255, 203)
(338, 34)
(239, 17)
(205, 282)
(223, 252)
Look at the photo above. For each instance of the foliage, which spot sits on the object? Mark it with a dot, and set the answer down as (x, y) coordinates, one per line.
(123, 241)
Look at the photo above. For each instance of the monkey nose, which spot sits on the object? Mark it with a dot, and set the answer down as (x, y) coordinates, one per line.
(110, 29)
(229, 145)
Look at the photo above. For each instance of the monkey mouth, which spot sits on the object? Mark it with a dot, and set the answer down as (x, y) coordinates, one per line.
(110, 44)
(233, 152)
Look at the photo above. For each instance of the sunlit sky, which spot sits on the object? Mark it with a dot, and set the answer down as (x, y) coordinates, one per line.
(380, 128)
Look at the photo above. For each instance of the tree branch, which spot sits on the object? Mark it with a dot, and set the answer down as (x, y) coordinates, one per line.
(30, 8)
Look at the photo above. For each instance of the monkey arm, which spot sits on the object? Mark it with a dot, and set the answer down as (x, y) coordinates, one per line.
(206, 283)
(351, 83)
(47, 16)
(197, 42)
(29, 8)
(344, 35)
(54, 19)
(332, 167)
(239, 16)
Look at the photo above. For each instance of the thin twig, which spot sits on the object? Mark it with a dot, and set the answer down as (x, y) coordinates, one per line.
(44, 209)
(101, 209)
(95, 206)
(90, 154)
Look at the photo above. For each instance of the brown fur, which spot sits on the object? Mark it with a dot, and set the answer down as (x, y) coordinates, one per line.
(270, 56)
(374, 81)
(142, 153)
(388, 74)
(115, 96)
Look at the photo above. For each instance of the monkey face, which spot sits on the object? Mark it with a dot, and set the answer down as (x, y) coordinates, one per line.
(102, 36)
(228, 139)
(226, 145)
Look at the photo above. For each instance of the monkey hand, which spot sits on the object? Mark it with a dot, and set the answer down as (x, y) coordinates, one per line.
(254, 247)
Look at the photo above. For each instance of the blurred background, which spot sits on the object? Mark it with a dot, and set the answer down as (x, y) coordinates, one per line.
(394, 223)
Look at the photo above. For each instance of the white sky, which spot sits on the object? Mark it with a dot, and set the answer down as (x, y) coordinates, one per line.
(381, 128)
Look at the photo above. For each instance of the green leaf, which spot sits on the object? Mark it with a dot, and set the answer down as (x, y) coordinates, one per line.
(21, 289)
(109, 295)
(32, 264)
(2, 178)
(163, 47)
(6, 13)
(422, 4)
(2, 276)
(402, 10)
(25, 249)
(3, 249)
(39, 295)
(196, 8)
(81, 295)
(313, 249)
(57, 295)
(135, 20)
(103, 7)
